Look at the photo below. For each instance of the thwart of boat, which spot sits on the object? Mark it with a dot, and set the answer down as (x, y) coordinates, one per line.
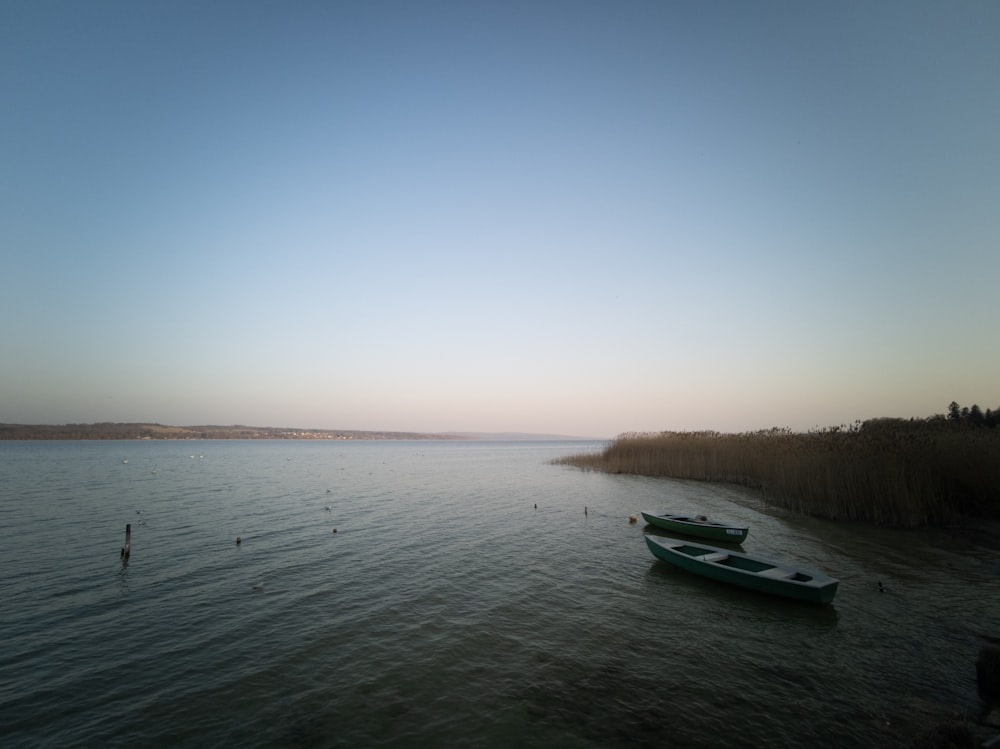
(697, 525)
(744, 570)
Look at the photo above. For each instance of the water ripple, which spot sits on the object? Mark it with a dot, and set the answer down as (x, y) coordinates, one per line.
(466, 599)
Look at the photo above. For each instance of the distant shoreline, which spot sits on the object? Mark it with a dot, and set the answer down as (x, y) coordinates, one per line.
(143, 431)
(154, 431)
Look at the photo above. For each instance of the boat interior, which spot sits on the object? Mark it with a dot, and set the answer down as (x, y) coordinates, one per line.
(700, 520)
(743, 563)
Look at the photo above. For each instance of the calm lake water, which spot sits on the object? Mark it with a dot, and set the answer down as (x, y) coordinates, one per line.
(466, 599)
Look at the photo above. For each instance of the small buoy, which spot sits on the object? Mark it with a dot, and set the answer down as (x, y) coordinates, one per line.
(880, 588)
(632, 518)
(238, 540)
(327, 508)
(584, 509)
(536, 505)
(334, 530)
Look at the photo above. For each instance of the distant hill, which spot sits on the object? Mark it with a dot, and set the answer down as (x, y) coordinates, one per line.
(142, 431)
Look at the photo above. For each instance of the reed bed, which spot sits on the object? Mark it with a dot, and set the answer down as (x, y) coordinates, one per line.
(886, 472)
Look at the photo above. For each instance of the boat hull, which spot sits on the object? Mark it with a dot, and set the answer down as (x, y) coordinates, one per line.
(686, 525)
(745, 571)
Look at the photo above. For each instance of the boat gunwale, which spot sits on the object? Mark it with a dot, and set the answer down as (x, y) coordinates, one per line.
(687, 520)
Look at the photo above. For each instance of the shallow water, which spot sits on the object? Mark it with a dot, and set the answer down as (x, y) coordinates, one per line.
(448, 609)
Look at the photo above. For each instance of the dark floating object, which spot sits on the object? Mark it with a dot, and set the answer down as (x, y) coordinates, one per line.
(988, 672)
(880, 588)
(238, 540)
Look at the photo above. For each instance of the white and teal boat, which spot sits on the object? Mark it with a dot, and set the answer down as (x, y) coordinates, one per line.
(746, 571)
(697, 525)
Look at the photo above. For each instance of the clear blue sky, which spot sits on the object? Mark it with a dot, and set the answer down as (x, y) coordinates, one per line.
(564, 217)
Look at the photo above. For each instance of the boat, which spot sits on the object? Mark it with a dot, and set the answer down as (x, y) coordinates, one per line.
(744, 570)
(697, 525)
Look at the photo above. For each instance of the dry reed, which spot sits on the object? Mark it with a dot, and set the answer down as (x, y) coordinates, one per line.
(887, 471)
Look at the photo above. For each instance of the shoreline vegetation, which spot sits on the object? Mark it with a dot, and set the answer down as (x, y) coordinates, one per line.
(141, 431)
(892, 472)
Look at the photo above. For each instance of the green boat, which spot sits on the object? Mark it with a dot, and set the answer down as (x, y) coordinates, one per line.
(697, 525)
(744, 570)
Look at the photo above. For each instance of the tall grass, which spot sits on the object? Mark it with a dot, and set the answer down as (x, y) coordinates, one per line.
(887, 472)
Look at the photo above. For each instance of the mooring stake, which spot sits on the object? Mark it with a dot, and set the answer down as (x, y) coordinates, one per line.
(127, 548)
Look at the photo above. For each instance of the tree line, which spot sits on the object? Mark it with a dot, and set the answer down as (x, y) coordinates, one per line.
(973, 415)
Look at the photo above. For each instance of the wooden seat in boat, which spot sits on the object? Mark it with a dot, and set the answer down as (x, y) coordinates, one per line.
(777, 572)
(713, 557)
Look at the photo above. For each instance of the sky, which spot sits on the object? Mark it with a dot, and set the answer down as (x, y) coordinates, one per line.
(554, 216)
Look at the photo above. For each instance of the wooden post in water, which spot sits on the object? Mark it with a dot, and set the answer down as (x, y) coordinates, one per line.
(127, 548)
